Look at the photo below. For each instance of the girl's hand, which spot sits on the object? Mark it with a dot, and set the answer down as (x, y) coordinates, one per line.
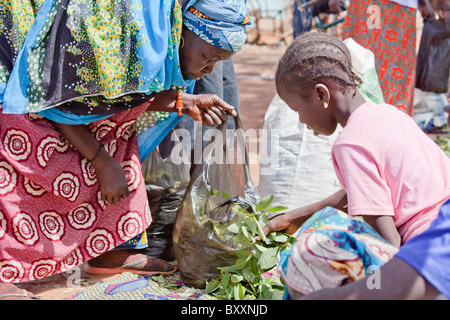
(110, 177)
(208, 109)
(280, 223)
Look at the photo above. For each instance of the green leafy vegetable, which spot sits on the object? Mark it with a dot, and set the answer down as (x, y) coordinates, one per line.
(245, 280)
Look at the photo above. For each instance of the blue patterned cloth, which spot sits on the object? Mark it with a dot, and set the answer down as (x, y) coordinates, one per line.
(138, 242)
(331, 248)
(219, 22)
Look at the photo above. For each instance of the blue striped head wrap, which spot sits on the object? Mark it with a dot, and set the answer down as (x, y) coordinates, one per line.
(219, 22)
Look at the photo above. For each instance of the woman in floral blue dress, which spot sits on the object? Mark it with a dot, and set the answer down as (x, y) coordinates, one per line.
(75, 75)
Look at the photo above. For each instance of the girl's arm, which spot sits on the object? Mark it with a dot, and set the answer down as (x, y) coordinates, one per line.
(291, 221)
(385, 226)
(110, 176)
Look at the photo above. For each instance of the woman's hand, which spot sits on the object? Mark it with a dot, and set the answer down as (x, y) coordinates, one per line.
(208, 109)
(110, 177)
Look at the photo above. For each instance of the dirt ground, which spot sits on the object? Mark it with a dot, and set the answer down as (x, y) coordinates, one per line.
(255, 68)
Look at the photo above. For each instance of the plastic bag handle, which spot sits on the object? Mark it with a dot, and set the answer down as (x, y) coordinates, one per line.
(243, 147)
(198, 169)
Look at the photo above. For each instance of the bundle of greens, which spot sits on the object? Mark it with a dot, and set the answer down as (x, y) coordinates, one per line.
(258, 254)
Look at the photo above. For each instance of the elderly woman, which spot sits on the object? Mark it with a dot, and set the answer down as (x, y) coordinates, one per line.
(74, 78)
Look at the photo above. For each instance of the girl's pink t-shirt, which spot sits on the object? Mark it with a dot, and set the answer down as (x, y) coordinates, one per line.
(389, 166)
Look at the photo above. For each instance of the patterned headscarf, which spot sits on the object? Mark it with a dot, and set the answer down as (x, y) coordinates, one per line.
(219, 22)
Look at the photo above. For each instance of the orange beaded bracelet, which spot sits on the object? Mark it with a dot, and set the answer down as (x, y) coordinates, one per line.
(179, 102)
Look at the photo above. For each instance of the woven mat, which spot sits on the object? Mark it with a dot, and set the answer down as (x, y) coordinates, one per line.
(129, 286)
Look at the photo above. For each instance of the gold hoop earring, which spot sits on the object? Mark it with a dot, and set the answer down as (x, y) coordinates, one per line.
(181, 42)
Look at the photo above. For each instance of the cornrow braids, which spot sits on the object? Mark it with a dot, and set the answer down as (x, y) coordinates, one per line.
(316, 57)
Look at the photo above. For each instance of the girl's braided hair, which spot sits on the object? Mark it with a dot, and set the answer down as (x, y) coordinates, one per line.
(316, 57)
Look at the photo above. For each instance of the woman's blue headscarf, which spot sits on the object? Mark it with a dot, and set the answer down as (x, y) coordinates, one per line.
(219, 22)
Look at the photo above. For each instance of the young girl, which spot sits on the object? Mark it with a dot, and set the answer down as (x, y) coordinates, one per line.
(392, 174)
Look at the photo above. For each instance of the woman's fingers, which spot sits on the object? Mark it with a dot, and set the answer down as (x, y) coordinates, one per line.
(227, 109)
(217, 115)
(221, 104)
(114, 197)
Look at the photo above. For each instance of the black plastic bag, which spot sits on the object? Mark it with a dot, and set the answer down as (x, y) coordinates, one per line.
(201, 241)
(166, 183)
(433, 58)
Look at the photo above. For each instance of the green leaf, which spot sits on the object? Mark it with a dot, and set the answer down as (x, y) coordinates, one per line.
(260, 248)
(242, 240)
(246, 272)
(266, 293)
(239, 292)
(235, 227)
(244, 253)
(241, 263)
(276, 209)
(244, 232)
(212, 286)
(264, 203)
(226, 280)
(269, 258)
(263, 219)
(252, 224)
(172, 286)
(231, 269)
(277, 294)
(236, 278)
(261, 232)
(279, 237)
(225, 195)
(160, 279)
(189, 292)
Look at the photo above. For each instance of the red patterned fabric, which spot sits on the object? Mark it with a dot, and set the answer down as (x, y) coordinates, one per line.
(51, 216)
(392, 39)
